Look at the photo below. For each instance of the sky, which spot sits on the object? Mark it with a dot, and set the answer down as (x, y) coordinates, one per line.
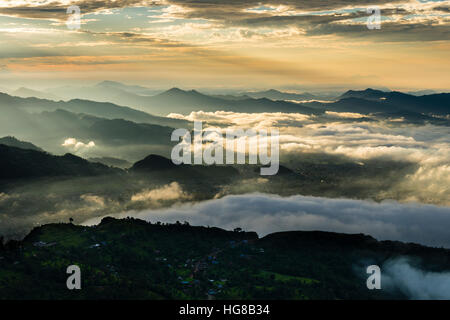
(217, 44)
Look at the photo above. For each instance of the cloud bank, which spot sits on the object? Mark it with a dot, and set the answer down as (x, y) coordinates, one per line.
(424, 224)
(358, 137)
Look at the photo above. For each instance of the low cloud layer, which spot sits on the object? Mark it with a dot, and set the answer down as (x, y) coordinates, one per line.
(368, 138)
(425, 224)
(415, 283)
(169, 192)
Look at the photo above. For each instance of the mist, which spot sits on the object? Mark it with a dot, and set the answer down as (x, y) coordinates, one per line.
(388, 220)
(415, 283)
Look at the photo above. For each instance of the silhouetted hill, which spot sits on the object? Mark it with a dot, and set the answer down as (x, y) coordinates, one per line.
(13, 142)
(16, 163)
(278, 95)
(107, 91)
(293, 238)
(137, 90)
(98, 109)
(154, 163)
(359, 105)
(397, 101)
(180, 101)
(51, 128)
(112, 162)
(164, 167)
(127, 132)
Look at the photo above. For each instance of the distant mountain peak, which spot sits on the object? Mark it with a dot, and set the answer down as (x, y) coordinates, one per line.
(273, 91)
(109, 83)
(14, 142)
(175, 90)
(154, 162)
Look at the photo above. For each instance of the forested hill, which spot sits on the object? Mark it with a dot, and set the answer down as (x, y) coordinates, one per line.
(131, 258)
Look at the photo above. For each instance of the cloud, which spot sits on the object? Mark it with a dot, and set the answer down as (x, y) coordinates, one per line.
(219, 8)
(425, 224)
(172, 191)
(415, 283)
(76, 145)
(4, 197)
(56, 10)
(246, 120)
(95, 201)
(357, 137)
(345, 115)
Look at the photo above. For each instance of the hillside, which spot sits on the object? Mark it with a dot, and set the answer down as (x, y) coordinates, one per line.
(184, 102)
(17, 163)
(133, 259)
(202, 174)
(98, 109)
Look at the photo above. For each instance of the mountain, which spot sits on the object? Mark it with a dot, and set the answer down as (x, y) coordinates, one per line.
(135, 259)
(154, 163)
(184, 102)
(176, 100)
(112, 162)
(230, 97)
(112, 137)
(163, 167)
(278, 95)
(107, 91)
(368, 94)
(17, 163)
(98, 109)
(397, 101)
(13, 142)
(359, 105)
(123, 132)
(117, 137)
(180, 101)
(28, 93)
(138, 90)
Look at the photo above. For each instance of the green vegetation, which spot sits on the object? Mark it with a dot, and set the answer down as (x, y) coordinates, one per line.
(133, 259)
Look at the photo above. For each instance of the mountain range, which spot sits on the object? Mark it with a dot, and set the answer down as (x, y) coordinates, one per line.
(176, 100)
